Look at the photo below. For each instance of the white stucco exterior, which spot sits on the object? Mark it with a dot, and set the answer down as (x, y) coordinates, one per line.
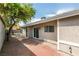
(66, 32)
(46, 36)
(2, 34)
(69, 35)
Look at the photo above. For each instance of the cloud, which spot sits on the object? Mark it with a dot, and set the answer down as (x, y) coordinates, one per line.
(50, 15)
(35, 19)
(60, 11)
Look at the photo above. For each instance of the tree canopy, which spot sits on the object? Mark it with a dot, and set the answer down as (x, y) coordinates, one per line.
(17, 11)
(11, 13)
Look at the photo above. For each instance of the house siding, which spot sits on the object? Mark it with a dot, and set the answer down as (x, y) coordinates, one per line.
(50, 35)
(47, 36)
(69, 32)
(2, 34)
(29, 32)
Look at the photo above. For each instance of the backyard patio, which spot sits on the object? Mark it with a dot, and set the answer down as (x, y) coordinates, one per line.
(19, 46)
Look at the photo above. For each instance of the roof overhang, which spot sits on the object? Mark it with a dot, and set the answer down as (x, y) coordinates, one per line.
(59, 16)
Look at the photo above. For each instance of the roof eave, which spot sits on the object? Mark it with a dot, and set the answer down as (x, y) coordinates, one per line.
(60, 16)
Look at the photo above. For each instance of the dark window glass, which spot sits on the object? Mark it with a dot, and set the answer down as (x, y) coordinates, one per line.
(36, 32)
(46, 29)
(49, 29)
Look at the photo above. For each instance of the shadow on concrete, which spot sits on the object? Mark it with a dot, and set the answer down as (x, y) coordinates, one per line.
(32, 41)
(15, 48)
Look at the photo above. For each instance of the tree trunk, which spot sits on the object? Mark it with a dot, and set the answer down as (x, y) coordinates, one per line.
(9, 31)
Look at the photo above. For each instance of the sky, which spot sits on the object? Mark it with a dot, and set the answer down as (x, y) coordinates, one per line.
(50, 9)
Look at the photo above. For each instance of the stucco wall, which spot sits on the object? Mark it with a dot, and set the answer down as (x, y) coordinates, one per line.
(29, 32)
(69, 29)
(69, 32)
(2, 34)
(44, 35)
(49, 35)
(65, 48)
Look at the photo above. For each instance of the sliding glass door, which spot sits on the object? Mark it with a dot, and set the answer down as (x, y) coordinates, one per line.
(36, 32)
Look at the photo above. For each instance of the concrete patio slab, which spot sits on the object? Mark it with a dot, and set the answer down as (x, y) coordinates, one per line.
(27, 47)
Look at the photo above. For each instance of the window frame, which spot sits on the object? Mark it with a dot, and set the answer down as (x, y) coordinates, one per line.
(47, 29)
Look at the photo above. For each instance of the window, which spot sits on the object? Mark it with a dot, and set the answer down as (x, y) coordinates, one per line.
(49, 29)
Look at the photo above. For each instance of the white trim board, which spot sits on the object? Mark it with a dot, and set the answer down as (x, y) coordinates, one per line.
(69, 43)
(58, 34)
